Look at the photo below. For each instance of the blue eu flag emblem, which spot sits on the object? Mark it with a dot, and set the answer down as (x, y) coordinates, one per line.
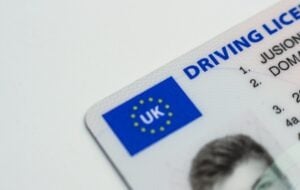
(152, 115)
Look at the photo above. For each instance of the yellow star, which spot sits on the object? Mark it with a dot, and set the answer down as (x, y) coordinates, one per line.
(152, 131)
(168, 122)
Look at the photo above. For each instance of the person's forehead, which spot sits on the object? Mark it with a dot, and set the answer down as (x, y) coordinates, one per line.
(243, 177)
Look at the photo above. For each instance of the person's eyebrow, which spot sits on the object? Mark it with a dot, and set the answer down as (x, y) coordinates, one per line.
(256, 182)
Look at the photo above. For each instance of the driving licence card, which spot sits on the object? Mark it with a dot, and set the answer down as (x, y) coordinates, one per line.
(224, 116)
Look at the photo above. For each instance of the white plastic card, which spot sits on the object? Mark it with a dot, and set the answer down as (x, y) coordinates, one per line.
(224, 116)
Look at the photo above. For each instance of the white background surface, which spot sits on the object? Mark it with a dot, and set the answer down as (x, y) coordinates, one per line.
(59, 57)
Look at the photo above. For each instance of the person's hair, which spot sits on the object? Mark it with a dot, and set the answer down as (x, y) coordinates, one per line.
(218, 159)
